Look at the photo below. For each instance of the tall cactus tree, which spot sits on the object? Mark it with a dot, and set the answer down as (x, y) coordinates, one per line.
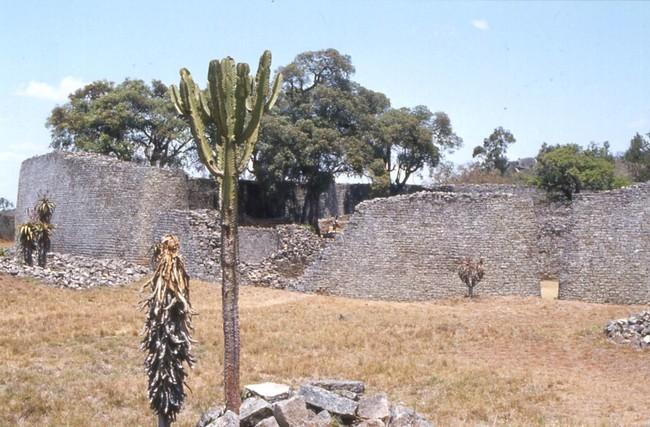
(234, 105)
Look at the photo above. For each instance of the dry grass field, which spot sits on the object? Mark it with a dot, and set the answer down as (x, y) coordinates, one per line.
(6, 243)
(71, 358)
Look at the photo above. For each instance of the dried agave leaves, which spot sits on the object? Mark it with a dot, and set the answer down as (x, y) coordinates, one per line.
(166, 334)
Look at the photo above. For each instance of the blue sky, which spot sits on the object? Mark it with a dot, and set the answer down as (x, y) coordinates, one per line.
(549, 71)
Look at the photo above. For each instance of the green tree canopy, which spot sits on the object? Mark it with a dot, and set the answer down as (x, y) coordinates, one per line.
(637, 158)
(563, 170)
(408, 139)
(131, 121)
(325, 125)
(317, 131)
(492, 153)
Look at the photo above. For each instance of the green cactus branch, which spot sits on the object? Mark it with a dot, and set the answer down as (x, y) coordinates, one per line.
(225, 125)
(234, 105)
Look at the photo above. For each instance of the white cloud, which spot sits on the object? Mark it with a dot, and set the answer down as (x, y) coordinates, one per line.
(41, 90)
(481, 24)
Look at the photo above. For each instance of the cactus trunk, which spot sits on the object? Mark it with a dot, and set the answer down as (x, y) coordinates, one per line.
(234, 105)
(230, 282)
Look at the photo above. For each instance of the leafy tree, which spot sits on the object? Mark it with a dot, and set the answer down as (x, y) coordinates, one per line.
(5, 204)
(568, 169)
(637, 158)
(408, 139)
(492, 153)
(131, 121)
(318, 129)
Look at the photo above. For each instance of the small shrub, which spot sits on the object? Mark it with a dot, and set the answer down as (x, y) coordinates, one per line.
(471, 272)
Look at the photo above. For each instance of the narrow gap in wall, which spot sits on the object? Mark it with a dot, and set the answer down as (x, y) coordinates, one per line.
(549, 288)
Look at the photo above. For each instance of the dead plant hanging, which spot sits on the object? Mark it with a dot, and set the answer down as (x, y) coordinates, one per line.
(167, 337)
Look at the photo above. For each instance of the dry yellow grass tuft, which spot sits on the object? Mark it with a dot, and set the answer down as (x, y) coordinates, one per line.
(71, 358)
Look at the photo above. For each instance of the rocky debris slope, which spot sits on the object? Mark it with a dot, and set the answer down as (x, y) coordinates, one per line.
(297, 250)
(76, 272)
(315, 404)
(633, 330)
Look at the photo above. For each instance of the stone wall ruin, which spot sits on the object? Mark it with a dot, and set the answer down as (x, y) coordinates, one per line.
(398, 248)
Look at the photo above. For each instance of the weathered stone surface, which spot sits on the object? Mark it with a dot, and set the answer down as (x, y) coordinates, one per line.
(331, 402)
(519, 233)
(267, 422)
(271, 392)
(76, 272)
(401, 416)
(229, 419)
(210, 415)
(634, 330)
(254, 410)
(347, 394)
(325, 416)
(292, 412)
(7, 224)
(340, 385)
(309, 409)
(374, 407)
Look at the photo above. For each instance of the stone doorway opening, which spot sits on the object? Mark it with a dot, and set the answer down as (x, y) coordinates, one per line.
(549, 288)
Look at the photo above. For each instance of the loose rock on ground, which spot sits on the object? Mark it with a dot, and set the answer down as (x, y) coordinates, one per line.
(76, 272)
(315, 404)
(634, 330)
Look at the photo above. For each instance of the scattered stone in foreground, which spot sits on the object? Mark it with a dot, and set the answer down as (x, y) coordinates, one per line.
(331, 402)
(271, 392)
(210, 415)
(76, 272)
(374, 407)
(314, 406)
(633, 330)
(292, 412)
(229, 419)
(253, 410)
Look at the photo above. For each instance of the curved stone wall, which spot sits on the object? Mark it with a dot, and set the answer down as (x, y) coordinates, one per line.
(104, 207)
(399, 248)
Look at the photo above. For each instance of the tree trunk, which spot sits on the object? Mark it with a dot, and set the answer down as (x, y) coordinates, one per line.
(230, 285)
(471, 291)
(311, 210)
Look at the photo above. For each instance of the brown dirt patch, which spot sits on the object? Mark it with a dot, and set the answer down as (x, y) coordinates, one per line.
(71, 357)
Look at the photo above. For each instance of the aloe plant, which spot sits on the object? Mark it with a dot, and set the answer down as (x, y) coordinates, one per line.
(234, 105)
(167, 337)
(36, 234)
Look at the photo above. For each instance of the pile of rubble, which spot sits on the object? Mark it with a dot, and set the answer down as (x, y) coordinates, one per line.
(76, 272)
(315, 404)
(298, 249)
(633, 330)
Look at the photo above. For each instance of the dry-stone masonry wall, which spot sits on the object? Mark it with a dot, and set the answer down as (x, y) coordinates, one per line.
(104, 208)
(199, 233)
(606, 255)
(402, 247)
(406, 247)
(7, 224)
